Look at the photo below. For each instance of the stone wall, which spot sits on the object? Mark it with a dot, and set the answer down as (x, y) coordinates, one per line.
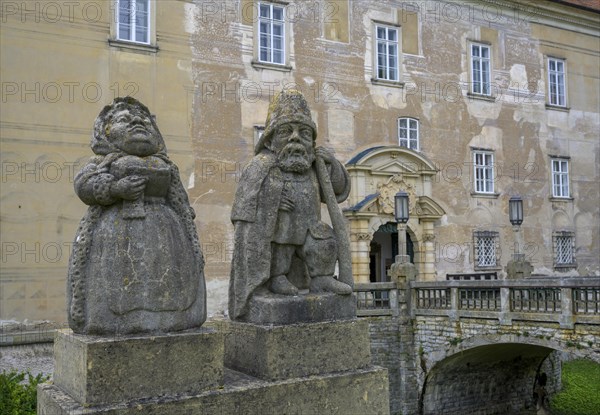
(440, 337)
(385, 351)
(392, 348)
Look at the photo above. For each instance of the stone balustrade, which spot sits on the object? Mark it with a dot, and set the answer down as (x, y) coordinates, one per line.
(567, 301)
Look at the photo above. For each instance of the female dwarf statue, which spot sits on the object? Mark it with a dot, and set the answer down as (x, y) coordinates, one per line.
(136, 265)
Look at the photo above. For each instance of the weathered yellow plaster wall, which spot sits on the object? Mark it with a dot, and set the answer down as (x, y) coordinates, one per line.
(203, 83)
(58, 71)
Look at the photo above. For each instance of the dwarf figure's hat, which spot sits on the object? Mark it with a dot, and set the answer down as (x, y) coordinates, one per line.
(287, 106)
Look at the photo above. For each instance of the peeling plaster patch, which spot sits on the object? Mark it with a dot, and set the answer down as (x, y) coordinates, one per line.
(191, 17)
(560, 221)
(216, 302)
(557, 118)
(518, 75)
(309, 80)
(531, 156)
(184, 65)
(340, 128)
(534, 117)
(483, 110)
(427, 106)
(490, 138)
(191, 181)
(584, 235)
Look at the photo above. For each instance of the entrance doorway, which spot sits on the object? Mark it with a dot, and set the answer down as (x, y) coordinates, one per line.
(383, 251)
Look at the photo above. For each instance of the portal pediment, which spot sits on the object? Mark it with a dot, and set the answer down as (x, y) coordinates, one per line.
(392, 160)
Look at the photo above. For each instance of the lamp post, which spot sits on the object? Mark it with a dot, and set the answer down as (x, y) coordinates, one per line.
(515, 215)
(401, 216)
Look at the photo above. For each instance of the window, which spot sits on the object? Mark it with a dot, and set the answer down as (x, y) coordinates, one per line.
(271, 32)
(408, 133)
(483, 171)
(480, 69)
(564, 249)
(485, 245)
(560, 178)
(556, 82)
(387, 53)
(133, 20)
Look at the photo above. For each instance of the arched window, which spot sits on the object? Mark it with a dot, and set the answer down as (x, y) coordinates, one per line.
(408, 133)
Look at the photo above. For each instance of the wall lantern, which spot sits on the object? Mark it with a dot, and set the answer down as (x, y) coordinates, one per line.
(515, 210)
(401, 207)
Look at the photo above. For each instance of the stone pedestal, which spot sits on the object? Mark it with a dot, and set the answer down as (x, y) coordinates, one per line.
(97, 370)
(355, 392)
(269, 308)
(311, 368)
(292, 351)
(518, 269)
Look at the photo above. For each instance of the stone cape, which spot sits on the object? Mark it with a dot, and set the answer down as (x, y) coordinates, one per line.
(255, 218)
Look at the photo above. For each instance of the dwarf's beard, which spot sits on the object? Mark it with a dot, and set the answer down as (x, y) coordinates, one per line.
(295, 158)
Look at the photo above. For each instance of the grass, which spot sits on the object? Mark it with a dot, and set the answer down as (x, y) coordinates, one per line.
(580, 394)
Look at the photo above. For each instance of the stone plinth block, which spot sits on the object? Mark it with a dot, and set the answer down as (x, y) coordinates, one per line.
(101, 370)
(291, 351)
(269, 308)
(362, 392)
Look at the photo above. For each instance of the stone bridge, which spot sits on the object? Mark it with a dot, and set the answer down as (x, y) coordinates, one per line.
(479, 347)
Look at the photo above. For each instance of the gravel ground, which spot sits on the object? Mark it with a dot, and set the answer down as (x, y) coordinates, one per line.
(37, 358)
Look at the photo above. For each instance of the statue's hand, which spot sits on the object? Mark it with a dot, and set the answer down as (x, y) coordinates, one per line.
(286, 204)
(326, 154)
(129, 188)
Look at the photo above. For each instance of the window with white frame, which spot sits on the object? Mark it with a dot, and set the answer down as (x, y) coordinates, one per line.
(408, 133)
(386, 65)
(485, 244)
(564, 248)
(560, 178)
(133, 20)
(556, 82)
(271, 34)
(483, 171)
(480, 69)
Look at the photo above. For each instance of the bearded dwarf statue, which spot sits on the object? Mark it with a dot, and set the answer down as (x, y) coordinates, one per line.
(276, 212)
(136, 264)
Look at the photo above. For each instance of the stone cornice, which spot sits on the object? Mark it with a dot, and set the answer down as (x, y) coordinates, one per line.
(554, 14)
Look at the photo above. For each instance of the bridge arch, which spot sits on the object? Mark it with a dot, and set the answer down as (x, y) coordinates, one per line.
(502, 371)
(552, 344)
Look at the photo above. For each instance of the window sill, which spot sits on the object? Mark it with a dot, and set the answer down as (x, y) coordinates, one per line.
(557, 108)
(139, 47)
(564, 267)
(490, 268)
(485, 195)
(385, 82)
(481, 97)
(560, 199)
(274, 66)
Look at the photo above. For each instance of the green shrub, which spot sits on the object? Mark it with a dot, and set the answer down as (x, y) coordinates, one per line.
(580, 394)
(17, 396)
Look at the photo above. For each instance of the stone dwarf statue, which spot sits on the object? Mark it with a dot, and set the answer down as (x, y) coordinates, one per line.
(136, 264)
(276, 211)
